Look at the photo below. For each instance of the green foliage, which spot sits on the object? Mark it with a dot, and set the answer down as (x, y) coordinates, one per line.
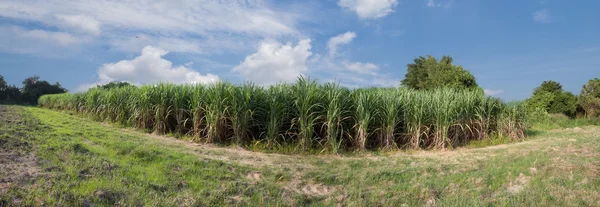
(551, 98)
(565, 103)
(589, 99)
(8, 93)
(115, 84)
(3, 84)
(305, 116)
(561, 121)
(549, 86)
(428, 73)
(34, 88)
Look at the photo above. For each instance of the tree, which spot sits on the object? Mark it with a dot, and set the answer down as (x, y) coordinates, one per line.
(115, 84)
(550, 97)
(549, 86)
(3, 84)
(427, 73)
(589, 98)
(8, 93)
(564, 102)
(541, 100)
(34, 88)
(3, 87)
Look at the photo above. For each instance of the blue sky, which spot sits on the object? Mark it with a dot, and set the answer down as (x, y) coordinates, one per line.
(510, 46)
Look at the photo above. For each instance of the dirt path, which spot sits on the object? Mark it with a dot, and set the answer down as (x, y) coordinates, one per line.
(17, 162)
(259, 159)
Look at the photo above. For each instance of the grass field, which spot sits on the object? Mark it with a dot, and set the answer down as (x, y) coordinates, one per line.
(57, 159)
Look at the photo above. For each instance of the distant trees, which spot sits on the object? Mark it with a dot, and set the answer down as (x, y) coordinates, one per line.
(8, 93)
(550, 97)
(589, 98)
(114, 84)
(33, 89)
(428, 73)
(2, 82)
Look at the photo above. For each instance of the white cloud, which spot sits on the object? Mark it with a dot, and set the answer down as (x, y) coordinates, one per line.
(348, 73)
(81, 23)
(357, 74)
(209, 23)
(491, 92)
(542, 16)
(149, 67)
(135, 43)
(369, 9)
(361, 68)
(341, 39)
(20, 40)
(195, 16)
(274, 62)
(62, 38)
(439, 3)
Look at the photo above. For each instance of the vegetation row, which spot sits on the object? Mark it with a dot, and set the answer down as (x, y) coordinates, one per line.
(305, 115)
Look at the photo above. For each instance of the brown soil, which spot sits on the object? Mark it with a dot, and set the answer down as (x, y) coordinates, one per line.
(17, 163)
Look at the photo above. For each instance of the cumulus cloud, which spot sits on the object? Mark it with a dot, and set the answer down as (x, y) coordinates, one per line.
(491, 92)
(542, 16)
(149, 67)
(369, 9)
(341, 39)
(274, 62)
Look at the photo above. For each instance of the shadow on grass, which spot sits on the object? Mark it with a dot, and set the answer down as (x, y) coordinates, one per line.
(533, 132)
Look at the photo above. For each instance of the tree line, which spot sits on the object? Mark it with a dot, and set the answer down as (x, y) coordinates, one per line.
(550, 97)
(33, 88)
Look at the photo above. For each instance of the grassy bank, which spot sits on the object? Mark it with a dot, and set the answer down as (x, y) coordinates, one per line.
(72, 161)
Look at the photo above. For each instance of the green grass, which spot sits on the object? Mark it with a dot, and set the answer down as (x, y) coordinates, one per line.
(560, 121)
(83, 162)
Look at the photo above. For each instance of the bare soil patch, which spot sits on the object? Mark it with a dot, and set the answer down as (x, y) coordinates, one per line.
(17, 163)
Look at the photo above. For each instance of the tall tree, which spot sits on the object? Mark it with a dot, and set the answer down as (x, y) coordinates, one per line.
(589, 98)
(34, 88)
(551, 97)
(2, 83)
(3, 88)
(428, 73)
(9, 93)
(549, 86)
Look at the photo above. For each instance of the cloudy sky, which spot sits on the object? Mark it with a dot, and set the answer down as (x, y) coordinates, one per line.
(511, 46)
